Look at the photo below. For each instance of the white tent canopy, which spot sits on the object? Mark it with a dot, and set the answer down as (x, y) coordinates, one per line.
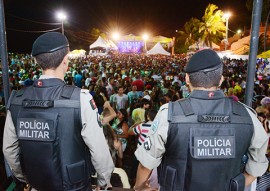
(201, 45)
(158, 49)
(100, 43)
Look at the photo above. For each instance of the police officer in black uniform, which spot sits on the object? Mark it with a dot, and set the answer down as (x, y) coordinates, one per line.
(52, 131)
(198, 143)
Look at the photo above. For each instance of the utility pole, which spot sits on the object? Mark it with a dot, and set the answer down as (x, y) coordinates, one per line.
(254, 41)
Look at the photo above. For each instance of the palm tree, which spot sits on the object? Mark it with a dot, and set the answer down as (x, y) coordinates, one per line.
(190, 32)
(212, 27)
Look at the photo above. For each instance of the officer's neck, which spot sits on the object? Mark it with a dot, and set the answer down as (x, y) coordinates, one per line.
(204, 89)
(53, 73)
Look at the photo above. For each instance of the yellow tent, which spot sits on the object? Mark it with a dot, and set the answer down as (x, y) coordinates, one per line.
(265, 54)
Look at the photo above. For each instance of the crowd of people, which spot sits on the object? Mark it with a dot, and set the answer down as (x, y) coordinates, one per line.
(128, 90)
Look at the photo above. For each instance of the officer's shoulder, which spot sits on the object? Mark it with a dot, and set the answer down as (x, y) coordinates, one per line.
(247, 107)
(85, 94)
(84, 91)
(164, 107)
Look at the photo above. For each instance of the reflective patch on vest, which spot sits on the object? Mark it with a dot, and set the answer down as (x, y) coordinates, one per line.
(213, 144)
(93, 104)
(213, 119)
(35, 129)
(147, 144)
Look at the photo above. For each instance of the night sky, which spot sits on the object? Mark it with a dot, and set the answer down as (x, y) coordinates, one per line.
(156, 17)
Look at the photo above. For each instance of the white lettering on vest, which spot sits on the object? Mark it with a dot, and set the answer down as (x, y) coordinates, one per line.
(214, 152)
(34, 125)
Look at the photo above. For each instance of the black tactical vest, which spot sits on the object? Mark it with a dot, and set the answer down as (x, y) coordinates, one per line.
(208, 136)
(47, 118)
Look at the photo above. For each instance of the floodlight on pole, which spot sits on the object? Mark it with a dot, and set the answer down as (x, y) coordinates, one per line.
(145, 38)
(116, 36)
(227, 16)
(62, 17)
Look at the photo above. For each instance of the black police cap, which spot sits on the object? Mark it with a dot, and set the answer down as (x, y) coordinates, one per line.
(49, 42)
(206, 60)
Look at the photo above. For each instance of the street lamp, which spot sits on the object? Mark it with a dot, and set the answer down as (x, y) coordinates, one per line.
(62, 17)
(145, 38)
(227, 16)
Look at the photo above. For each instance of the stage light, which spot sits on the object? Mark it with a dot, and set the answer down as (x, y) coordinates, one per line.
(116, 36)
(145, 37)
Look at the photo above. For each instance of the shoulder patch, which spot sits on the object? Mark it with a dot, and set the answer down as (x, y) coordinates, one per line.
(93, 104)
(154, 126)
(147, 144)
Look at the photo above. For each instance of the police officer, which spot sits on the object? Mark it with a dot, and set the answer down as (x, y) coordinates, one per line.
(198, 143)
(52, 131)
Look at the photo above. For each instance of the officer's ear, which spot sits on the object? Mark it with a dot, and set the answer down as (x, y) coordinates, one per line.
(187, 79)
(65, 61)
(221, 80)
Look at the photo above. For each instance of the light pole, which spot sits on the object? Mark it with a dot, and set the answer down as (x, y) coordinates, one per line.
(227, 16)
(62, 17)
(239, 32)
(145, 37)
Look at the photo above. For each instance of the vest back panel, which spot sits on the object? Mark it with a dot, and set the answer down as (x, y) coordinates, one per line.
(53, 153)
(205, 145)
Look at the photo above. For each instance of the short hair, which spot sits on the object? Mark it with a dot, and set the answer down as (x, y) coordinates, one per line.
(206, 79)
(52, 60)
(151, 113)
(144, 101)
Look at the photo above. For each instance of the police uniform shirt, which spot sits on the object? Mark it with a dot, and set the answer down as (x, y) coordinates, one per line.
(94, 138)
(151, 151)
(92, 134)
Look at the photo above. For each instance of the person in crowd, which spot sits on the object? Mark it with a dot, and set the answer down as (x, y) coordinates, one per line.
(120, 127)
(110, 86)
(50, 116)
(114, 144)
(99, 98)
(139, 83)
(120, 99)
(232, 95)
(133, 95)
(108, 113)
(205, 135)
(87, 80)
(138, 114)
(78, 79)
(185, 90)
(263, 112)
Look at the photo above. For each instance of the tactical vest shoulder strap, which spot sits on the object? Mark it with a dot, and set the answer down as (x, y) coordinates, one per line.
(71, 95)
(10, 98)
(67, 91)
(237, 108)
(188, 113)
(20, 92)
(16, 97)
(186, 107)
